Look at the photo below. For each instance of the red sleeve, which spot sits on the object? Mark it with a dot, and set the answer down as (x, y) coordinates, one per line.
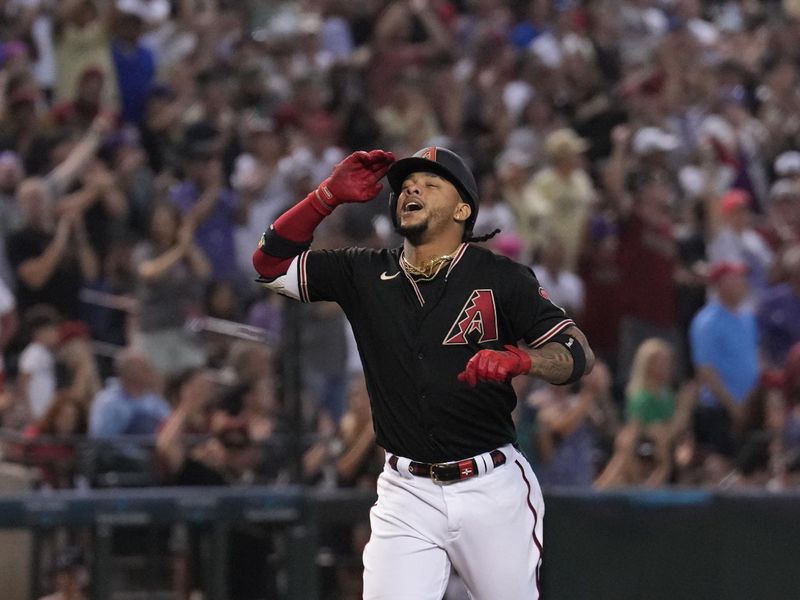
(297, 225)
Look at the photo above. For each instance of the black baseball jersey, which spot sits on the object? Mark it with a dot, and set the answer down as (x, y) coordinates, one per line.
(415, 337)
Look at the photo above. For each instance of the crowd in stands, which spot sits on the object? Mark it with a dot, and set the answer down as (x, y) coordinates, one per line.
(643, 156)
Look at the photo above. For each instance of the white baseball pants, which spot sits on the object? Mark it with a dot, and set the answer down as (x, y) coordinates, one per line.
(489, 528)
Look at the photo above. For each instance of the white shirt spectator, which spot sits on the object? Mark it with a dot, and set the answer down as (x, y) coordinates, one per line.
(38, 363)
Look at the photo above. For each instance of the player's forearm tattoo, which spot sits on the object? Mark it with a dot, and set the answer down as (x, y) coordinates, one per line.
(553, 363)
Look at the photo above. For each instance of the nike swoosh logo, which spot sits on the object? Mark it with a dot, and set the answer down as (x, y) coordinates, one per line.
(385, 277)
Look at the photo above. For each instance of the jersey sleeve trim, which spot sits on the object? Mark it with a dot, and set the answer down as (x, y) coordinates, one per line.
(543, 339)
(302, 277)
(286, 284)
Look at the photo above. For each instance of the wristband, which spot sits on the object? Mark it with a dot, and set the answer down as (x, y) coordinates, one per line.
(576, 351)
(278, 246)
(325, 198)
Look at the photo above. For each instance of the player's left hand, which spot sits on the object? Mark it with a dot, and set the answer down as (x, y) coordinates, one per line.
(496, 365)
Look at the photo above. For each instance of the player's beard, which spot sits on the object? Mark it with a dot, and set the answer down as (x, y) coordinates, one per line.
(414, 233)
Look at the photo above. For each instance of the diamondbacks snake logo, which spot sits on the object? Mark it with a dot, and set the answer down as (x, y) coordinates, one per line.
(479, 314)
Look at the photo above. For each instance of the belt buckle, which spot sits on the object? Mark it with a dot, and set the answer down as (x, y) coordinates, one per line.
(432, 472)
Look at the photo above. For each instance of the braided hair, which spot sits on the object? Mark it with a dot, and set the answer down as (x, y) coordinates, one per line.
(468, 237)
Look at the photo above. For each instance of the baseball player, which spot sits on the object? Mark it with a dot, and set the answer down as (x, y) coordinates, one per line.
(437, 323)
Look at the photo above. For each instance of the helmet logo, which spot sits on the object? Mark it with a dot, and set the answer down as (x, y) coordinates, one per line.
(428, 153)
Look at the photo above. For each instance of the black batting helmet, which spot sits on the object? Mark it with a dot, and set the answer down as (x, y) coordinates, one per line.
(442, 162)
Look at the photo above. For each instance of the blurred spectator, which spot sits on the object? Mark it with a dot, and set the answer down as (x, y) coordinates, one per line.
(779, 312)
(11, 175)
(565, 436)
(134, 178)
(171, 271)
(75, 351)
(250, 361)
(82, 42)
(110, 322)
(724, 344)
(50, 256)
(203, 198)
(163, 124)
(396, 44)
(85, 103)
(408, 120)
(655, 419)
(735, 240)
(495, 213)
(201, 464)
(562, 194)
(564, 287)
(261, 189)
(101, 204)
(134, 63)
(766, 450)
(69, 574)
(601, 275)
(129, 404)
(53, 441)
(24, 131)
(254, 405)
(646, 256)
(782, 226)
(361, 460)
(36, 383)
(779, 103)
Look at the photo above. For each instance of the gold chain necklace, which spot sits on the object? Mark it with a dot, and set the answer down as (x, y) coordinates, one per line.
(429, 269)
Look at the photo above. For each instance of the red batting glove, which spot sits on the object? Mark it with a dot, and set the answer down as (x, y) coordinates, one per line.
(496, 365)
(355, 179)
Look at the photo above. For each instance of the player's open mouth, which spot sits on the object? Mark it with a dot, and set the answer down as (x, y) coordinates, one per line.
(412, 206)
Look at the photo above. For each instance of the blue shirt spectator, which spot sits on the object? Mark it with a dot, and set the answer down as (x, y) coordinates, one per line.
(135, 67)
(725, 338)
(128, 405)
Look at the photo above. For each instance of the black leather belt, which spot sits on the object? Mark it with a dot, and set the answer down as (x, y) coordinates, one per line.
(449, 471)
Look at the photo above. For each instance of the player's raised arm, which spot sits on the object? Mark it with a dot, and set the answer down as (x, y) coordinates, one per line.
(354, 179)
(563, 360)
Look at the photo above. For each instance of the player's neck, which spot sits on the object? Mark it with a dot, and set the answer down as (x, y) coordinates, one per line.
(419, 254)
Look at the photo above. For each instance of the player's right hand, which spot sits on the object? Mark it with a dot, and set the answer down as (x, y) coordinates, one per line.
(356, 178)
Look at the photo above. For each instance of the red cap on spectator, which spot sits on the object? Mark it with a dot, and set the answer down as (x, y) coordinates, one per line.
(70, 330)
(734, 200)
(728, 267)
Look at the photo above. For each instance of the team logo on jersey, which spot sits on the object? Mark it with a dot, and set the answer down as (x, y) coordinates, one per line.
(479, 314)
(543, 293)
